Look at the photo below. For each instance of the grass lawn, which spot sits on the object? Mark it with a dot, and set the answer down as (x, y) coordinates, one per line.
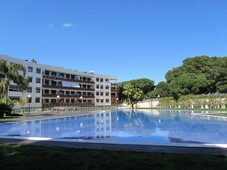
(220, 114)
(39, 157)
(10, 116)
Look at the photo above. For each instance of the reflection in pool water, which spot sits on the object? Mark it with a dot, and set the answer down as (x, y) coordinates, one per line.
(126, 126)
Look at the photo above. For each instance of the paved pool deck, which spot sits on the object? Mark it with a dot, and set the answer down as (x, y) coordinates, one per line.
(48, 115)
(180, 148)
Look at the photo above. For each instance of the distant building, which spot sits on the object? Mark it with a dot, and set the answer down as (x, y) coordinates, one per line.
(51, 86)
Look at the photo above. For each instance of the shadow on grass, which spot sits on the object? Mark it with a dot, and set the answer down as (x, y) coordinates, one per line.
(17, 156)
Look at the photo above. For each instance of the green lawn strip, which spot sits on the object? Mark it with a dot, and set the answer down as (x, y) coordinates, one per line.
(39, 157)
(220, 114)
(11, 116)
(195, 109)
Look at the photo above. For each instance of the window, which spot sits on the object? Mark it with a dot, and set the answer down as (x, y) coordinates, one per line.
(46, 82)
(14, 88)
(101, 79)
(107, 80)
(107, 87)
(37, 89)
(97, 100)
(29, 79)
(97, 86)
(47, 73)
(97, 79)
(38, 80)
(46, 100)
(53, 92)
(67, 76)
(29, 89)
(53, 74)
(61, 75)
(37, 100)
(107, 100)
(107, 93)
(97, 93)
(101, 86)
(101, 93)
(30, 69)
(38, 70)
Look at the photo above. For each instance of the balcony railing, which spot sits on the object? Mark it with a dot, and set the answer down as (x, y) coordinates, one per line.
(68, 104)
(114, 97)
(114, 104)
(62, 87)
(113, 84)
(68, 79)
(114, 90)
(66, 96)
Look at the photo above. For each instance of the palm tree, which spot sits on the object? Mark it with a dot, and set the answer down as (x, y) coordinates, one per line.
(133, 94)
(11, 73)
(21, 102)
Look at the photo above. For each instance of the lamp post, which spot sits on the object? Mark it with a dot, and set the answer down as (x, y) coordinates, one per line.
(29, 101)
(117, 102)
(81, 98)
(58, 100)
(158, 100)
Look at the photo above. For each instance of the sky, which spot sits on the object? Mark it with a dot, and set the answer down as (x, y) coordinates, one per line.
(129, 39)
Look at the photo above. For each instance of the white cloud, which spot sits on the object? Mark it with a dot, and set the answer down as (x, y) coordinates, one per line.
(67, 25)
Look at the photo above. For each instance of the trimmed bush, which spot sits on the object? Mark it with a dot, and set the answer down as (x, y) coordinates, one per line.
(5, 109)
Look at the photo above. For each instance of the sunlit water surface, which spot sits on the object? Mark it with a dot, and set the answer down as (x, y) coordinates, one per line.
(126, 126)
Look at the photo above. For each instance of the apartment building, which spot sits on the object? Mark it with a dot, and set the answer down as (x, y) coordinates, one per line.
(51, 86)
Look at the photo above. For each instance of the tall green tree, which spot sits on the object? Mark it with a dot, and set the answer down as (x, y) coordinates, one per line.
(161, 90)
(213, 68)
(11, 73)
(143, 84)
(188, 83)
(174, 73)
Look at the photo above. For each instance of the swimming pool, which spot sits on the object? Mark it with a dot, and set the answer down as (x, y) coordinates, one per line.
(126, 126)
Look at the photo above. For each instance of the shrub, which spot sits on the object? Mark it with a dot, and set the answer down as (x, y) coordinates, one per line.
(5, 109)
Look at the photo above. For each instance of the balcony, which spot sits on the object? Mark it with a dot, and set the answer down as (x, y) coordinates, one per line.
(68, 104)
(114, 84)
(114, 97)
(114, 90)
(114, 104)
(61, 87)
(66, 96)
(67, 79)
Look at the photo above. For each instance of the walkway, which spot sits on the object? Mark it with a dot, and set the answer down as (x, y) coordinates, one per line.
(47, 115)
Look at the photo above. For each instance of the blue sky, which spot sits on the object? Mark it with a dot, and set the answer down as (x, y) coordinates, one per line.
(128, 39)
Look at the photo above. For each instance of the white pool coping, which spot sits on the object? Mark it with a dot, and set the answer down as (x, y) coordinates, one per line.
(189, 145)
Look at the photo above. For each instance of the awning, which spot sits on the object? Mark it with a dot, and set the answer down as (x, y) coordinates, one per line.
(70, 84)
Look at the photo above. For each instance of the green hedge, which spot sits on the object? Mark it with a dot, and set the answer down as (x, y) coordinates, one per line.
(5, 109)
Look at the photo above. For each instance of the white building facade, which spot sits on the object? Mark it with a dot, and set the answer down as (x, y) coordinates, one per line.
(51, 86)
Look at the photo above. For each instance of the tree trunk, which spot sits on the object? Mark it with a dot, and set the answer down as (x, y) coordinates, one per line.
(132, 104)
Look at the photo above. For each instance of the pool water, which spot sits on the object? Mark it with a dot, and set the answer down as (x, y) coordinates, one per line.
(126, 126)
